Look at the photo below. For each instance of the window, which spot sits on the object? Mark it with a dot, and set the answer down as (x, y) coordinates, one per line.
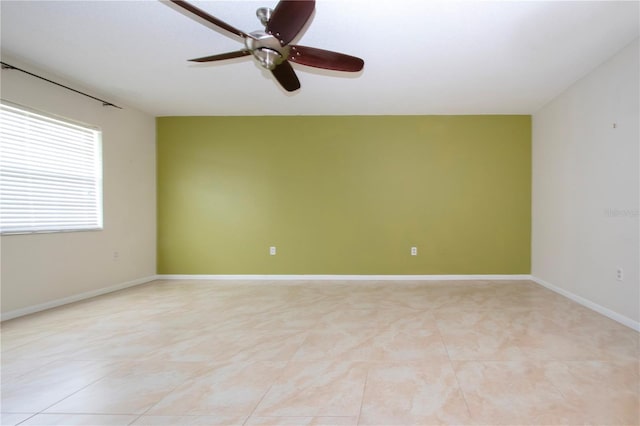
(50, 173)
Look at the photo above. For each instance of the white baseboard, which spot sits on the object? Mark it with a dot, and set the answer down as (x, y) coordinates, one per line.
(589, 304)
(75, 298)
(344, 277)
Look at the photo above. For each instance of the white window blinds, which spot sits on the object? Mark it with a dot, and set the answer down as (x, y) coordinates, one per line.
(50, 173)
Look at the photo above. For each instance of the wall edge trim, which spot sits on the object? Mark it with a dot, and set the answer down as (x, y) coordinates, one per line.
(312, 277)
(635, 325)
(74, 298)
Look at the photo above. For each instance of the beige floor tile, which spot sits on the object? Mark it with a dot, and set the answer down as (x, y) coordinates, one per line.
(229, 389)
(58, 345)
(57, 319)
(212, 345)
(446, 295)
(131, 389)
(399, 318)
(210, 319)
(316, 389)
(17, 335)
(406, 319)
(302, 421)
(210, 420)
(79, 420)
(13, 368)
(350, 319)
(604, 392)
(614, 345)
(573, 317)
(413, 394)
(556, 342)
(296, 352)
(12, 419)
(491, 320)
(129, 344)
(35, 391)
(361, 296)
(372, 345)
(480, 335)
(117, 344)
(114, 320)
(293, 319)
(513, 392)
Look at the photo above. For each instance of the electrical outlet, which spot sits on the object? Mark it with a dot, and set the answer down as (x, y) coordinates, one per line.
(414, 251)
(116, 256)
(620, 274)
(272, 251)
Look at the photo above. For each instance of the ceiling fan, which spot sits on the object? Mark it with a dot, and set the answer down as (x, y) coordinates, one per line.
(271, 48)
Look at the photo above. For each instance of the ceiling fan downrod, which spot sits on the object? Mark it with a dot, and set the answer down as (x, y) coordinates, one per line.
(264, 14)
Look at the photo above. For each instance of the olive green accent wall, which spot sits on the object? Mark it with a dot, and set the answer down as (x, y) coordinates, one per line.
(344, 194)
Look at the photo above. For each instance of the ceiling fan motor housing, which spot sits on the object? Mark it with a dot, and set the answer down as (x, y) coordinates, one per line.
(266, 49)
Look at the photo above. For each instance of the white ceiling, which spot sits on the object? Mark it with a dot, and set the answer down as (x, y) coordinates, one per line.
(421, 57)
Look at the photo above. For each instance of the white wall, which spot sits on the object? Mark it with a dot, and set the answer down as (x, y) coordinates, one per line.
(38, 269)
(585, 188)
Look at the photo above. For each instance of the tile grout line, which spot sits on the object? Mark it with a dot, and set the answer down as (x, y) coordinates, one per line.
(455, 374)
(165, 395)
(276, 378)
(260, 402)
(68, 396)
(28, 418)
(135, 419)
(364, 390)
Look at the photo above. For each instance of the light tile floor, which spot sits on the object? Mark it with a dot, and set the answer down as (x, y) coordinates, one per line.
(321, 353)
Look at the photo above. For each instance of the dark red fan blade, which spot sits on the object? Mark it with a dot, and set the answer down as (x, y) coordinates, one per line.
(286, 76)
(325, 59)
(204, 15)
(288, 18)
(222, 56)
